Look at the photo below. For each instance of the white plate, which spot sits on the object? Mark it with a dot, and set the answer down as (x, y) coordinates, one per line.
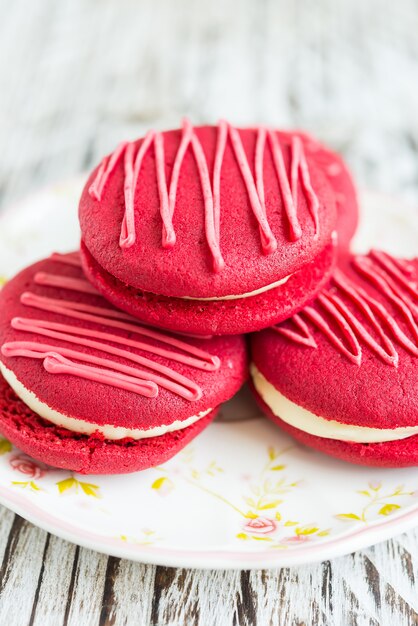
(241, 495)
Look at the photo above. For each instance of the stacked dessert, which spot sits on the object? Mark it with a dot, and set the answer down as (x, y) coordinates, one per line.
(115, 356)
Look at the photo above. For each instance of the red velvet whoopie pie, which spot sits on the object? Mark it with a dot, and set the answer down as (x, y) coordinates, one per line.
(86, 387)
(209, 230)
(341, 376)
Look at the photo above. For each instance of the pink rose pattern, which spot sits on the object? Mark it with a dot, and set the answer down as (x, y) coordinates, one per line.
(24, 464)
(260, 526)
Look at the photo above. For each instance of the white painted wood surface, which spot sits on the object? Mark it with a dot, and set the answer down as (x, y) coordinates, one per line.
(77, 76)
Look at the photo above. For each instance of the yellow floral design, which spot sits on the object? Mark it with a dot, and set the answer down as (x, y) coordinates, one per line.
(262, 521)
(26, 484)
(5, 446)
(75, 485)
(378, 503)
(3, 281)
(149, 538)
(163, 485)
(265, 491)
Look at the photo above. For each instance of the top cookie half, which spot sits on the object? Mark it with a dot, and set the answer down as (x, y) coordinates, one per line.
(207, 212)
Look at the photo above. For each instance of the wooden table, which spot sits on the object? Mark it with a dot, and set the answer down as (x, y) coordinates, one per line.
(75, 78)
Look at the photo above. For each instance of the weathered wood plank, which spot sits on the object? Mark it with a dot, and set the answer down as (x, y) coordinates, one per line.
(199, 597)
(128, 593)
(6, 523)
(86, 588)
(54, 583)
(20, 570)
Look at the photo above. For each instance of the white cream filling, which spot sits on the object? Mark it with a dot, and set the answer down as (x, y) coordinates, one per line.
(308, 422)
(87, 428)
(282, 281)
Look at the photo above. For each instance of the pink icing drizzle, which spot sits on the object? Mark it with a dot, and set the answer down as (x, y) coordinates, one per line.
(64, 282)
(71, 258)
(392, 278)
(59, 360)
(98, 315)
(268, 240)
(105, 169)
(132, 171)
(301, 334)
(211, 219)
(299, 163)
(211, 189)
(290, 208)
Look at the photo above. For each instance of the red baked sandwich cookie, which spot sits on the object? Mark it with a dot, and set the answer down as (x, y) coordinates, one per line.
(340, 179)
(209, 230)
(87, 388)
(342, 375)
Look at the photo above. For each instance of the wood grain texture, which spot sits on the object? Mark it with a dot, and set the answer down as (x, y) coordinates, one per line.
(75, 78)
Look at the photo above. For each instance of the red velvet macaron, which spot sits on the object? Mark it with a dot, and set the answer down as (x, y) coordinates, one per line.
(209, 230)
(87, 388)
(342, 375)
